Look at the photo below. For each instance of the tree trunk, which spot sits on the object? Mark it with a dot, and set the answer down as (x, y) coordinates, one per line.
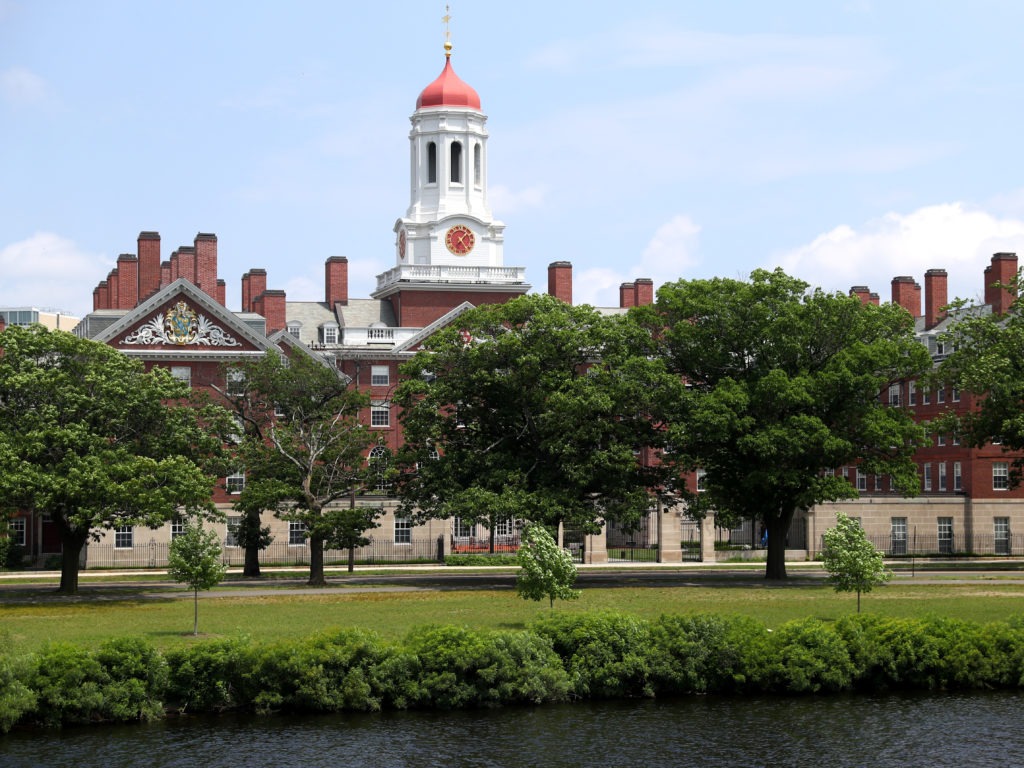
(251, 569)
(195, 612)
(778, 529)
(351, 559)
(316, 562)
(71, 552)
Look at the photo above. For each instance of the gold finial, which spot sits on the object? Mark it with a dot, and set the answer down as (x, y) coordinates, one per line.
(447, 31)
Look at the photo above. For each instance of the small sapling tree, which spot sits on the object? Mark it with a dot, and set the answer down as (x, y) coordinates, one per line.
(547, 569)
(853, 562)
(346, 529)
(194, 559)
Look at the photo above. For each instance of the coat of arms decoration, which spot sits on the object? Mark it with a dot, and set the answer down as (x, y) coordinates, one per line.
(180, 326)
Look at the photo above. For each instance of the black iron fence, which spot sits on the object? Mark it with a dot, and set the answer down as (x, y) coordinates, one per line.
(153, 554)
(953, 545)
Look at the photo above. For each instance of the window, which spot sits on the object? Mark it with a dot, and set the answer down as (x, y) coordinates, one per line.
(329, 334)
(456, 169)
(235, 382)
(898, 535)
(878, 482)
(380, 415)
(927, 477)
(956, 395)
(464, 530)
(17, 531)
(862, 480)
(505, 528)
(956, 439)
(403, 530)
(940, 395)
(702, 480)
(945, 535)
(911, 393)
(941, 440)
(958, 480)
(830, 472)
(235, 483)
(378, 461)
(1000, 476)
(294, 329)
(182, 373)
(296, 533)
(431, 163)
(477, 168)
(380, 376)
(231, 537)
(942, 475)
(926, 397)
(1001, 531)
(177, 528)
(124, 537)
(894, 395)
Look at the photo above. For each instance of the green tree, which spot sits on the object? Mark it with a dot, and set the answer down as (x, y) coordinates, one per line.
(785, 384)
(346, 528)
(96, 442)
(543, 409)
(853, 563)
(987, 362)
(546, 569)
(194, 559)
(304, 446)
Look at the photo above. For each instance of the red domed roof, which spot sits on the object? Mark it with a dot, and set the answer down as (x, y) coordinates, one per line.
(448, 91)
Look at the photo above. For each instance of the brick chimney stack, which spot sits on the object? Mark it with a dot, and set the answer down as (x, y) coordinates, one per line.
(187, 263)
(1001, 271)
(113, 289)
(165, 274)
(222, 292)
(257, 287)
(627, 295)
(336, 281)
(128, 281)
(103, 295)
(644, 296)
(560, 280)
(936, 296)
(149, 264)
(862, 292)
(907, 293)
(206, 263)
(271, 304)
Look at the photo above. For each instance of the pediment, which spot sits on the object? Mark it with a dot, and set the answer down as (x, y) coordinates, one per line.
(413, 344)
(182, 319)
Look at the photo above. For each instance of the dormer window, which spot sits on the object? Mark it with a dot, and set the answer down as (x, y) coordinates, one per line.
(329, 333)
(294, 329)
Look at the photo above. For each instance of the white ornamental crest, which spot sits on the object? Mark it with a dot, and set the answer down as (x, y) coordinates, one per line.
(181, 326)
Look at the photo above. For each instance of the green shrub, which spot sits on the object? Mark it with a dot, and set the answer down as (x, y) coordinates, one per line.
(17, 699)
(474, 560)
(213, 676)
(703, 653)
(806, 656)
(606, 655)
(137, 680)
(69, 683)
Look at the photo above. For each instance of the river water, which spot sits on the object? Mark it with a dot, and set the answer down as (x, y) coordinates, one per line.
(893, 730)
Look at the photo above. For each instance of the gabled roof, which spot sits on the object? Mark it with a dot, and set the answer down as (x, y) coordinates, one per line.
(217, 331)
(446, 319)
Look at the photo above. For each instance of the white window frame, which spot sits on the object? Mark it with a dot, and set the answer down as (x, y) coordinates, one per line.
(182, 373)
(895, 395)
(234, 382)
(234, 483)
(911, 393)
(942, 476)
(231, 531)
(124, 537)
(1000, 476)
(403, 530)
(177, 528)
(380, 375)
(17, 531)
(862, 480)
(958, 478)
(940, 395)
(927, 476)
(461, 530)
(296, 533)
(379, 455)
(329, 333)
(294, 329)
(702, 480)
(944, 529)
(380, 415)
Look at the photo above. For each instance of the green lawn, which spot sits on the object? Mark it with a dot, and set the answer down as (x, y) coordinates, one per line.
(166, 621)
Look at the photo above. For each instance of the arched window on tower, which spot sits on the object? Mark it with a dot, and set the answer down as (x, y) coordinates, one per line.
(431, 163)
(456, 162)
(476, 165)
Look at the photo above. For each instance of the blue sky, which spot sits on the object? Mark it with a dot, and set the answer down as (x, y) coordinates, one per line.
(848, 142)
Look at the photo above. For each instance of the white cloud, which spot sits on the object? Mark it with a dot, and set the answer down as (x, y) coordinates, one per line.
(22, 87)
(47, 270)
(951, 236)
(504, 200)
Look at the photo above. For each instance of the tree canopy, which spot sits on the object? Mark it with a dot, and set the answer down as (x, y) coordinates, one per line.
(987, 361)
(546, 570)
(194, 559)
(853, 563)
(96, 442)
(785, 385)
(535, 409)
(304, 447)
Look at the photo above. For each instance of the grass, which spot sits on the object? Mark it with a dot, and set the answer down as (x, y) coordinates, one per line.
(165, 621)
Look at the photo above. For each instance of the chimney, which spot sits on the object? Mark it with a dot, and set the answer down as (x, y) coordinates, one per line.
(873, 298)
(206, 263)
(113, 290)
(96, 299)
(907, 294)
(222, 292)
(128, 281)
(336, 281)
(936, 296)
(165, 274)
(644, 292)
(103, 289)
(187, 263)
(149, 264)
(257, 286)
(271, 304)
(627, 295)
(246, 298)
(560, 280)
(1001, 271)
(862, 292)
(175, 273)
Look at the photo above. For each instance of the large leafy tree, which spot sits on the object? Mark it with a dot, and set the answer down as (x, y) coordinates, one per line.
(96, 442)
(786, 384)
(534, 409)
(304, 446)
(987, 361)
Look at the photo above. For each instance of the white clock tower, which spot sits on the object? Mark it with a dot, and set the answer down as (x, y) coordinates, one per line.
(448, 234)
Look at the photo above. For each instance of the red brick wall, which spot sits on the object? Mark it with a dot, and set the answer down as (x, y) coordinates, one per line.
(907, 294)
(206, 263)
(1001, 271)
(644, 296)
(257, 285)
(127, 281)
(273, 303)
(560, 281)
(165, 274)
(149, 264)
(936, 296)
(187, 263)
(113, 290)
(415, 309)
(627, 295)
(336, 281)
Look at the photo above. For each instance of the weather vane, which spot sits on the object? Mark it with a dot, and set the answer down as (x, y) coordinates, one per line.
(447, 31)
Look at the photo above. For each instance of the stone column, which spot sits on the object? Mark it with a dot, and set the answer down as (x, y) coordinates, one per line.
(707, 538)
(596, 547)
(670, 536)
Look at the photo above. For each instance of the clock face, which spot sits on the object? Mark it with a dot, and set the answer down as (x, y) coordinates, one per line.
(401, 244)
(460, 240)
